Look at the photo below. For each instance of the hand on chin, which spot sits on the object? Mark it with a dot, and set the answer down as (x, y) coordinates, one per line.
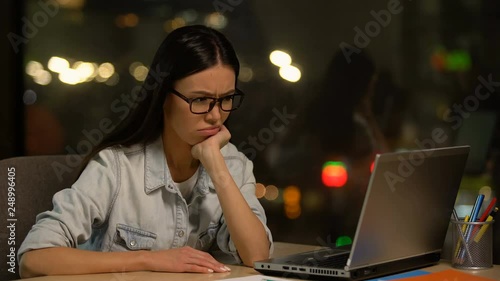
(211, 144)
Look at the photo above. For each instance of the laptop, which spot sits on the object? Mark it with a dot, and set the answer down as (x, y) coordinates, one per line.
(403, 221)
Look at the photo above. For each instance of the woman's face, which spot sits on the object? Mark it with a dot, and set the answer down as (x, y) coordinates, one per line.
(193, 128)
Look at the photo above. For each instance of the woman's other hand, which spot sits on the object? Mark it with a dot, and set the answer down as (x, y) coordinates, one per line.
(184, 259)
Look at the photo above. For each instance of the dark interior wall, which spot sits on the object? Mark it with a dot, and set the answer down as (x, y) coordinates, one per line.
(11, 107)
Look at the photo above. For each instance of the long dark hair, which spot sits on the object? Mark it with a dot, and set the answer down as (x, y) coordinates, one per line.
(185, 51)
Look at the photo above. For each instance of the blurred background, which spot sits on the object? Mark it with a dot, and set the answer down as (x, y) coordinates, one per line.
(328, 85)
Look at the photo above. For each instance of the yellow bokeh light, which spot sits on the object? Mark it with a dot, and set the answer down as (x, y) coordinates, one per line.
(100, 79)
(171, 25)
(292, 211)
(58, 65)
(85, 71)
(69, 76)
(133, 66)
(140, 73)
(291, 195)
(486, 191)
(33, 68)
(106, 70)
(272, 192)
(43, 77)
(246, 74)
(216, 20)
(280, 58)
(290, 73)
(130, 20)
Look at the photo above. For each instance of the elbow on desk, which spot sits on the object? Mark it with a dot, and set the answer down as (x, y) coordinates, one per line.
(25, 266)
(255, 257)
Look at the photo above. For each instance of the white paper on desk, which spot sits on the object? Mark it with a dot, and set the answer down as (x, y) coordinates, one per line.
(256, 278)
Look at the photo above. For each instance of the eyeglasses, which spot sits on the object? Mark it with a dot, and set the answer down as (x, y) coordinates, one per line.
(203, 105)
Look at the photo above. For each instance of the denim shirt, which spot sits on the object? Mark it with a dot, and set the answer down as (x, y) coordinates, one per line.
(126, 200)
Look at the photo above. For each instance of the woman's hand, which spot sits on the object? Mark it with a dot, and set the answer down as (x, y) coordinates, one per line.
(185, 259)
(213, 143)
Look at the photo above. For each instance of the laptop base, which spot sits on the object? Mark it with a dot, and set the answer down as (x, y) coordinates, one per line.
(318, 273)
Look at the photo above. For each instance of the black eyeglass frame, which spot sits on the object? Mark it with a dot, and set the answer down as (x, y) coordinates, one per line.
(237, 92)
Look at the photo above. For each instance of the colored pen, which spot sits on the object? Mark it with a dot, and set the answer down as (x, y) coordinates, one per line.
(461, 237)
(462, 232)
(488, 209)
(473, 218)
(485, 215)
(483, 229)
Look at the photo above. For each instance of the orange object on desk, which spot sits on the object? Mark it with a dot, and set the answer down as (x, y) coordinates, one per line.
(450, 274)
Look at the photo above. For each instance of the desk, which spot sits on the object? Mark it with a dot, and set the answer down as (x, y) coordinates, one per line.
(280, 249)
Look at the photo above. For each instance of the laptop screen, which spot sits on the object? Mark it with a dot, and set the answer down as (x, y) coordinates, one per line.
(408, 205)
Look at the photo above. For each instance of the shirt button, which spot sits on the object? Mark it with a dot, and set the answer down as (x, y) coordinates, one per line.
(180, 233)
(132, 243)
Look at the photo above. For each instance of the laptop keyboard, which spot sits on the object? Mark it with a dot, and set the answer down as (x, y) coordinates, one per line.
(334, 261)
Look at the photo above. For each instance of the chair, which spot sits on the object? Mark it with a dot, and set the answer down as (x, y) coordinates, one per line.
(36, 180)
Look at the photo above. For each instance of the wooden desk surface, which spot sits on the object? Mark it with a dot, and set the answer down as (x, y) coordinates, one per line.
(280, 249)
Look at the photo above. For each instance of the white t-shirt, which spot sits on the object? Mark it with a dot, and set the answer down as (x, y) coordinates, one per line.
(186, 187)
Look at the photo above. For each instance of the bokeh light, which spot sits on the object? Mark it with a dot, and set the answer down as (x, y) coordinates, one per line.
(260, 190)
(291, 195)
(69, 76)
(29, 97)
(486, 191)
(291, 200)
(140, 73)
(293, 211)
(334, 174)
(272, 192)
(57, 64)
(216, 20)
(43, 77)
(290, 73)
(343, 241)
(128, 20)
(33, 68)
(246, 74)
(280, 58)
(173, 24)
(106, 70)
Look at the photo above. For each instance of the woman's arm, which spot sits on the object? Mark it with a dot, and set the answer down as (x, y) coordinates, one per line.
(246, 230)
(64, 260)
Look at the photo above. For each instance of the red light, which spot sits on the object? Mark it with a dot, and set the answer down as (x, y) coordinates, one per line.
(334, 174)
(372, 166)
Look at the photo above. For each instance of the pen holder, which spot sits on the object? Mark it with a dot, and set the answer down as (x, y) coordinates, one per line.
(472, 244)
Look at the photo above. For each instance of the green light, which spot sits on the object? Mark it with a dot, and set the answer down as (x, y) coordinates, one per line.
(333, 163)
(458, 60)
(343, 240)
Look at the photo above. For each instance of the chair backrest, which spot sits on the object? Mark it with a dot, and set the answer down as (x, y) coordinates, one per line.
(27, 185)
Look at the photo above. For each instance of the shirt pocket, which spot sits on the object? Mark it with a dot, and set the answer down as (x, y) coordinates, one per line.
(129, 238)
(207, 237)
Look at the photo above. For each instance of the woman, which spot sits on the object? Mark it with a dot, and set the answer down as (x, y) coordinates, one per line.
(167, 186)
